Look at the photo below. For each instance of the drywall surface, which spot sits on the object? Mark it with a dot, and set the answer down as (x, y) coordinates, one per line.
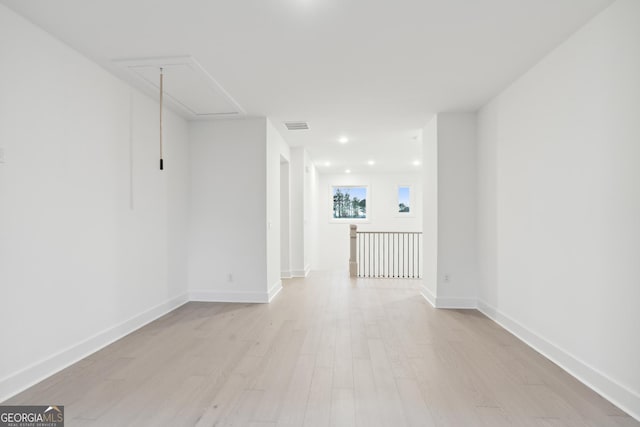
(457, 265)
(430, 207)
(449, 157)
(560, 201)
(309, 211)
(92, 233)
(285, 220)
(228, 211)
(303, 225)
(277, 151)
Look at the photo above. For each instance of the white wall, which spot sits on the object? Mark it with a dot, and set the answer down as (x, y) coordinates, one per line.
(92, 234)
(449, 158)
(285, 220)
(430, 209)
(487, 169)
(457, 264)
(382, 204)
(313, 216)
(560, 205)
(277, 148)
(228, 212)
(310, 211)
(303, 193)
(234, 249)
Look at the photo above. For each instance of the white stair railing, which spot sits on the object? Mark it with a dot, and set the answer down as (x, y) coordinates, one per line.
(385, 254)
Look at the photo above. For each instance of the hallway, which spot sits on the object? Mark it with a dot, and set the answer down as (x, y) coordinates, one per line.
(326, 351)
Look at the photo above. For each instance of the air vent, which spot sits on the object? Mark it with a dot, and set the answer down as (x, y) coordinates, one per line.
(297, 125)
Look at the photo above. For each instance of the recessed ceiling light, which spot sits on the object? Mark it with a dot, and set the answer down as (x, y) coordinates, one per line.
(343, 140)
(327, 163)
(347, 171)
(371, 162)
(416, 163)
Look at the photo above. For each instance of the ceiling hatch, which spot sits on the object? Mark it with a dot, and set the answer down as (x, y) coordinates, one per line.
(188, 87)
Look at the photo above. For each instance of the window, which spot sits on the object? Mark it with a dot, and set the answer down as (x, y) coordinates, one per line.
(349, 202)
(405, 201)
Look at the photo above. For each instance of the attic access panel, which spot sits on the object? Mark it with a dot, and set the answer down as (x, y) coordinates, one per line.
(187, 86)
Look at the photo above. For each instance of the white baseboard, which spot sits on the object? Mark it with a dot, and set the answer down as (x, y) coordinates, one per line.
(618, 394)
(275, 290)
(459, 303)
(428, 295)
(285, 275)
(33, 374)
(301, 273)
(444, 302)
(205, 295)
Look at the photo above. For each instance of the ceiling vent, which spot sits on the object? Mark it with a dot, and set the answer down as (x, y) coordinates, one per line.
(297, 125)
(188, 87)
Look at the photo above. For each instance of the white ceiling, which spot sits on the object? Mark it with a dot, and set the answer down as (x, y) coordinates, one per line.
(190, 90)
(372, 70)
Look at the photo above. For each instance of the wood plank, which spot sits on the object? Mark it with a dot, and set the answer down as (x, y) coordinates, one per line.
(327, 351)
(343, 409)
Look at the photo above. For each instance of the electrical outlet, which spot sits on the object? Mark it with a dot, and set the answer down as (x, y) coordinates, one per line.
(446, 278)
(230, 277)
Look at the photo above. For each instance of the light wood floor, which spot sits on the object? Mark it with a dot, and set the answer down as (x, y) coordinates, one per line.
(326, 351)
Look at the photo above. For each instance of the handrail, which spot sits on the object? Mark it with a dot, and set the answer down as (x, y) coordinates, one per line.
(385, 254)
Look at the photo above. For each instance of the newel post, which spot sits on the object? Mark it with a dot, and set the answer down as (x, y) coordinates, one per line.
(353, 264)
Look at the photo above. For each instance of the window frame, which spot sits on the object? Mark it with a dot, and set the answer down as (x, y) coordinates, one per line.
(412, 204)
(365, 220)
